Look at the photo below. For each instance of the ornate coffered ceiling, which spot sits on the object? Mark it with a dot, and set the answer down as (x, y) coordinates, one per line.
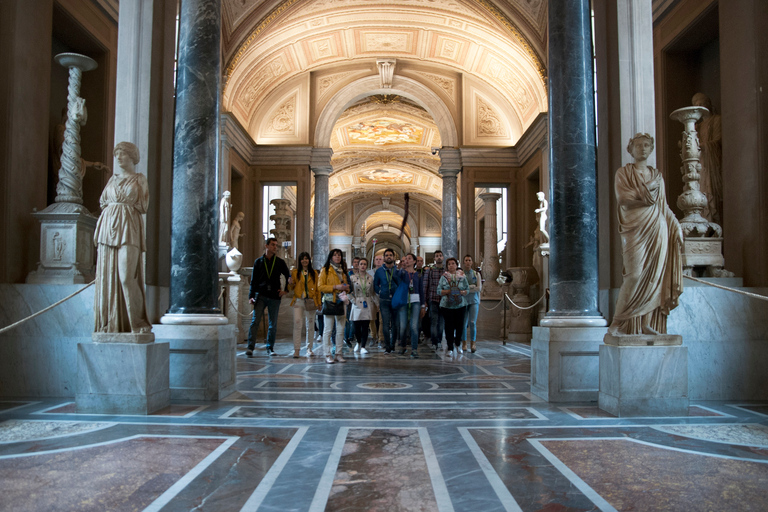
(470, 53)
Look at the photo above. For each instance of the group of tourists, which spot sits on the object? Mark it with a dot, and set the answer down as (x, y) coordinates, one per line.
(396, 303)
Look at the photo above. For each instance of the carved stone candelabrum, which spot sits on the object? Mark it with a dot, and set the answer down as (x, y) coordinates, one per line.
(703, 252)
(283, 229)
(66, 226)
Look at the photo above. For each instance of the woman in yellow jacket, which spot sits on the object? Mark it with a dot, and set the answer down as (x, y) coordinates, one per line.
(333, 285)
(306, 301)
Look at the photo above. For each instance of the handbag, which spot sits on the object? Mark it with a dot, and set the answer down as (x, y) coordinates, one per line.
(333, 308)
(400, 298)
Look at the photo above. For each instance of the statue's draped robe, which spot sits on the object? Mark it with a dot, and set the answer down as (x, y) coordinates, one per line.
(651, 246)
(123, 202)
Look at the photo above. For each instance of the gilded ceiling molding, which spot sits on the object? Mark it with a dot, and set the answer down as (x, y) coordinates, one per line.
(268, 19)
(520, 38)
(280, 9)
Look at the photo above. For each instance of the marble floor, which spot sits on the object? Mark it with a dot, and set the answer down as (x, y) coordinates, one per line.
(383, 433)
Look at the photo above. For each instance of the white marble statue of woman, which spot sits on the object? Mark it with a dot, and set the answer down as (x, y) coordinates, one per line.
(652, 244)
(541, 216)
(120, 302)
(224, 211)
(234, 231)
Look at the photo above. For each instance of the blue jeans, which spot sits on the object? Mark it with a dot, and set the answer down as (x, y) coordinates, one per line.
(437, 322)
(470, 319)
(273, 308)
(414, 321)
(387, 323)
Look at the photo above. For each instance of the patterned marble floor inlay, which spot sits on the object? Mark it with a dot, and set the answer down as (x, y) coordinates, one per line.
(376, 413)
(593, 411)
(127, 474)
(382, 470)
(171, 410)
(630, 475)
(14, 431)
(749, 435)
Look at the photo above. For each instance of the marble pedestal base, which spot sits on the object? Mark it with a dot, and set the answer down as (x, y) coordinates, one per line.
(122, 378)
(237, 309)
(642, 379)
(519, 321)
(66, 245)
(565, 363)
(202, 360)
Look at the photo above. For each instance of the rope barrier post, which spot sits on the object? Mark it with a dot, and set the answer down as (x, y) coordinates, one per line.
(504, 325)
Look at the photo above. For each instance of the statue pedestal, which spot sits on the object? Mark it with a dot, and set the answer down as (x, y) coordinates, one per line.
(122, 373)
(565, 363)
(67, 252)
(702, 252)
(520, 326)
(236, 307)
(202, 360)
(642, 375)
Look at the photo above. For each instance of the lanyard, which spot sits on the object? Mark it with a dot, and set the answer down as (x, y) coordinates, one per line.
(363, 284)
(269, 271)
(389, 277)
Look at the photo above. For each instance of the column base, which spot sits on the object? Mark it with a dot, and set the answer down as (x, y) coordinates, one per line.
(650, 380)
(565, 363)
(573, 321)
(202, 360)
(122, 378)
(192, 319)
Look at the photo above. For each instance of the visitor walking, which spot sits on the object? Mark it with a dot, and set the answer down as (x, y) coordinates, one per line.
(334, 285)
(306, 302)
(453, 287)
(475, 280)
(265, 293)
(362, 300)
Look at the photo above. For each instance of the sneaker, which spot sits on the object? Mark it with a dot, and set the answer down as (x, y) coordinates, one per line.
(330, 360)
(249, 352)
(363, 351)
(449, 353)
(340, 359)
(402, 351)
(348, 343)
(310, 353)
(296, 353)
(357, 347)
(270, 352)
(459, 350)
(414, 354)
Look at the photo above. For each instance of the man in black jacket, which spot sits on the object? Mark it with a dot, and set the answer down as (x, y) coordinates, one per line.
(266, 292)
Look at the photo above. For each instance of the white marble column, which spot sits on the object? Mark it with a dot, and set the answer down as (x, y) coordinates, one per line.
(491, 289)
(450, 167)
(321, 167)
(635, 73)
(144, 109)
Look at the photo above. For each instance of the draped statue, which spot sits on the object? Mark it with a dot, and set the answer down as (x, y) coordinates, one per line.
(652, 245)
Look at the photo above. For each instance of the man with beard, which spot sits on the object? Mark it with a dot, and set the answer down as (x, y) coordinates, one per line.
(385, 281)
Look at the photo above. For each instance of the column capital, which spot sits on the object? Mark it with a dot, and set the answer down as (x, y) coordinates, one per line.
(449, 173)
(321, 160)
(450, 159)
(490, 196)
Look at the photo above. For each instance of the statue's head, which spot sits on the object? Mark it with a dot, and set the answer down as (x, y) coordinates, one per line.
(226, 193)
(540, 196)
(639, 136)
(128, 148)
(240, 216)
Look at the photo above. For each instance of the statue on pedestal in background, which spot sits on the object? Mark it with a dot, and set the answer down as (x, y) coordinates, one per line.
(225, 207)
(541, 217)
(711, 142)
(652, 246)
(119, 301)
(234, 231)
